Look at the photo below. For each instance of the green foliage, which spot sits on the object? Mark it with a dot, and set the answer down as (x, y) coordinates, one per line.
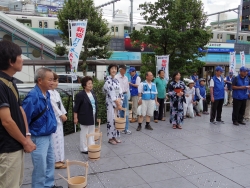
(180, 31)
(96, 38)
(101, 98)
(148, 64)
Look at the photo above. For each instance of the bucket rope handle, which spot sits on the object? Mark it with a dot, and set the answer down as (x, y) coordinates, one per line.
(99, 123)
(95, 134)
(123, 109)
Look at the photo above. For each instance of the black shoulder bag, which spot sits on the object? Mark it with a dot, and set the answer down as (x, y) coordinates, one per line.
(38, 116)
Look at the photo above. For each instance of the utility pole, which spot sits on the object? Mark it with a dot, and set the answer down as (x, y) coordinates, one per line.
(238, 25)
(113, 10)
(131, 17)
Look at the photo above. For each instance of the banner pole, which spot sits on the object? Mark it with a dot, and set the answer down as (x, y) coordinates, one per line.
(156, 66)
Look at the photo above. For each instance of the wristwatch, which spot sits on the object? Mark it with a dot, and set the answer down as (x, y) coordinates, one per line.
(28, 134)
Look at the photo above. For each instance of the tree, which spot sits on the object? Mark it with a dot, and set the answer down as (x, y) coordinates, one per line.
(180, 31)
(96, 38)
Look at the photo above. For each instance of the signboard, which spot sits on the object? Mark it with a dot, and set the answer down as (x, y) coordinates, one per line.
(78, 30)
(232, 62)
(218, 48)
(125, 56)
(163, 64)
(242, 59)
(143, 47)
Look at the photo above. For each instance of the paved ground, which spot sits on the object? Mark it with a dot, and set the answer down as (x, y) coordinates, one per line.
(199, 155)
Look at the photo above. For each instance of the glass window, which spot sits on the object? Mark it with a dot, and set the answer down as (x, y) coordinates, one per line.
(112, 29)
(116, 29)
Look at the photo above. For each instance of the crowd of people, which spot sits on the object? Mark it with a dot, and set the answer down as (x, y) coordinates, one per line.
(35, 125)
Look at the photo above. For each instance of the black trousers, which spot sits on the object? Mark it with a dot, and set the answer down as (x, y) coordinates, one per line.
(158, 115)
(239, 107)
(205, 106)
(216, 109)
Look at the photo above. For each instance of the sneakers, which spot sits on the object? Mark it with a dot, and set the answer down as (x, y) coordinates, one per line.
(57, 186)
(220, 121)
(138, 128)
(242, 122)
(148, 127)
(133, 120)
(236, 123)
(126, 132)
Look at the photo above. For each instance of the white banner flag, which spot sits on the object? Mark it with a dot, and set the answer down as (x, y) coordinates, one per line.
(163, 64)
(242, 59)
(232, 62)
(78, 30)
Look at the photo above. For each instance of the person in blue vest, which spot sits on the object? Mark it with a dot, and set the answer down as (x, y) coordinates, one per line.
(195, 78)
(228, 80)
(200, 94)
(147, 92)
(133, 86)
(240, 87)
(247, 110)
(217, 95)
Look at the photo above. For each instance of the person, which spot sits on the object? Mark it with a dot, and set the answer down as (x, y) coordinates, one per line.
(85, 113)
(195, 108)
(240, 87)
(147, 93)
(247, 110)
(42, 123)
(114, 98)
(189, 95)
(161, 86)
(228, 80)
(208, 78)
(200, 94)
(217, 95)
(176, 92)
(104, 75)
(123, 80)
(195, 78)
(133, 85)
(14, 131)
(60, 113)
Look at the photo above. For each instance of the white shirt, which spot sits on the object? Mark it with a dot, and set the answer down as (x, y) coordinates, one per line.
(190, 91)
(212, 81)
(123, 80)
(140, 87)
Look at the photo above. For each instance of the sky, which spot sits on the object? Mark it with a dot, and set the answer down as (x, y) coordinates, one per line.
(210, 6)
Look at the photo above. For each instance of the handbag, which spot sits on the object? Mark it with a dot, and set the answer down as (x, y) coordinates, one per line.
(38, 116)
(10, 85)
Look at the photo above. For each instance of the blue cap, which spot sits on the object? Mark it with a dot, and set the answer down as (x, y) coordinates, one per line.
(132, 69)
(243, 69)
(218, 68)
(231, 73)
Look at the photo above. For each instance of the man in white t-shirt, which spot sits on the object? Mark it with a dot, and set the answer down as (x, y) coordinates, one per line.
(147, 93)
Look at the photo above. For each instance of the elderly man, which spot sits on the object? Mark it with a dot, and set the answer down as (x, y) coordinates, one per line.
(228, 80)
(123, 80)
(161, 85)
(217, 95)
(42, 123)
(135, 81)
(240, 87)
(14, 132)
(147, 93)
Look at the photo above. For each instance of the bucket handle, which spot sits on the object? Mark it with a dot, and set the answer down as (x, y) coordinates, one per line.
(99, 123)
(95, 134)
(79, 163)
(123, 109)
(62, 177)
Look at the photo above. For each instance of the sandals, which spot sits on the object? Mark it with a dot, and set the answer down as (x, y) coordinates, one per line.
(178, 126)
(113, 142)
(117, 141)
(174, 126)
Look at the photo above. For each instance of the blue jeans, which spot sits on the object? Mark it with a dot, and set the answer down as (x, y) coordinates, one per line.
(43, 162)
(125, 105)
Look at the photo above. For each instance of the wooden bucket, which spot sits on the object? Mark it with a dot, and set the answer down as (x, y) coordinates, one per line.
(77, 181)
(121, 122)
(98, 129)
(94, 151)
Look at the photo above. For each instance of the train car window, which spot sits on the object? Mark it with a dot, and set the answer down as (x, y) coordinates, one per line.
(45, 24)
(40, 24)
(25, 22)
